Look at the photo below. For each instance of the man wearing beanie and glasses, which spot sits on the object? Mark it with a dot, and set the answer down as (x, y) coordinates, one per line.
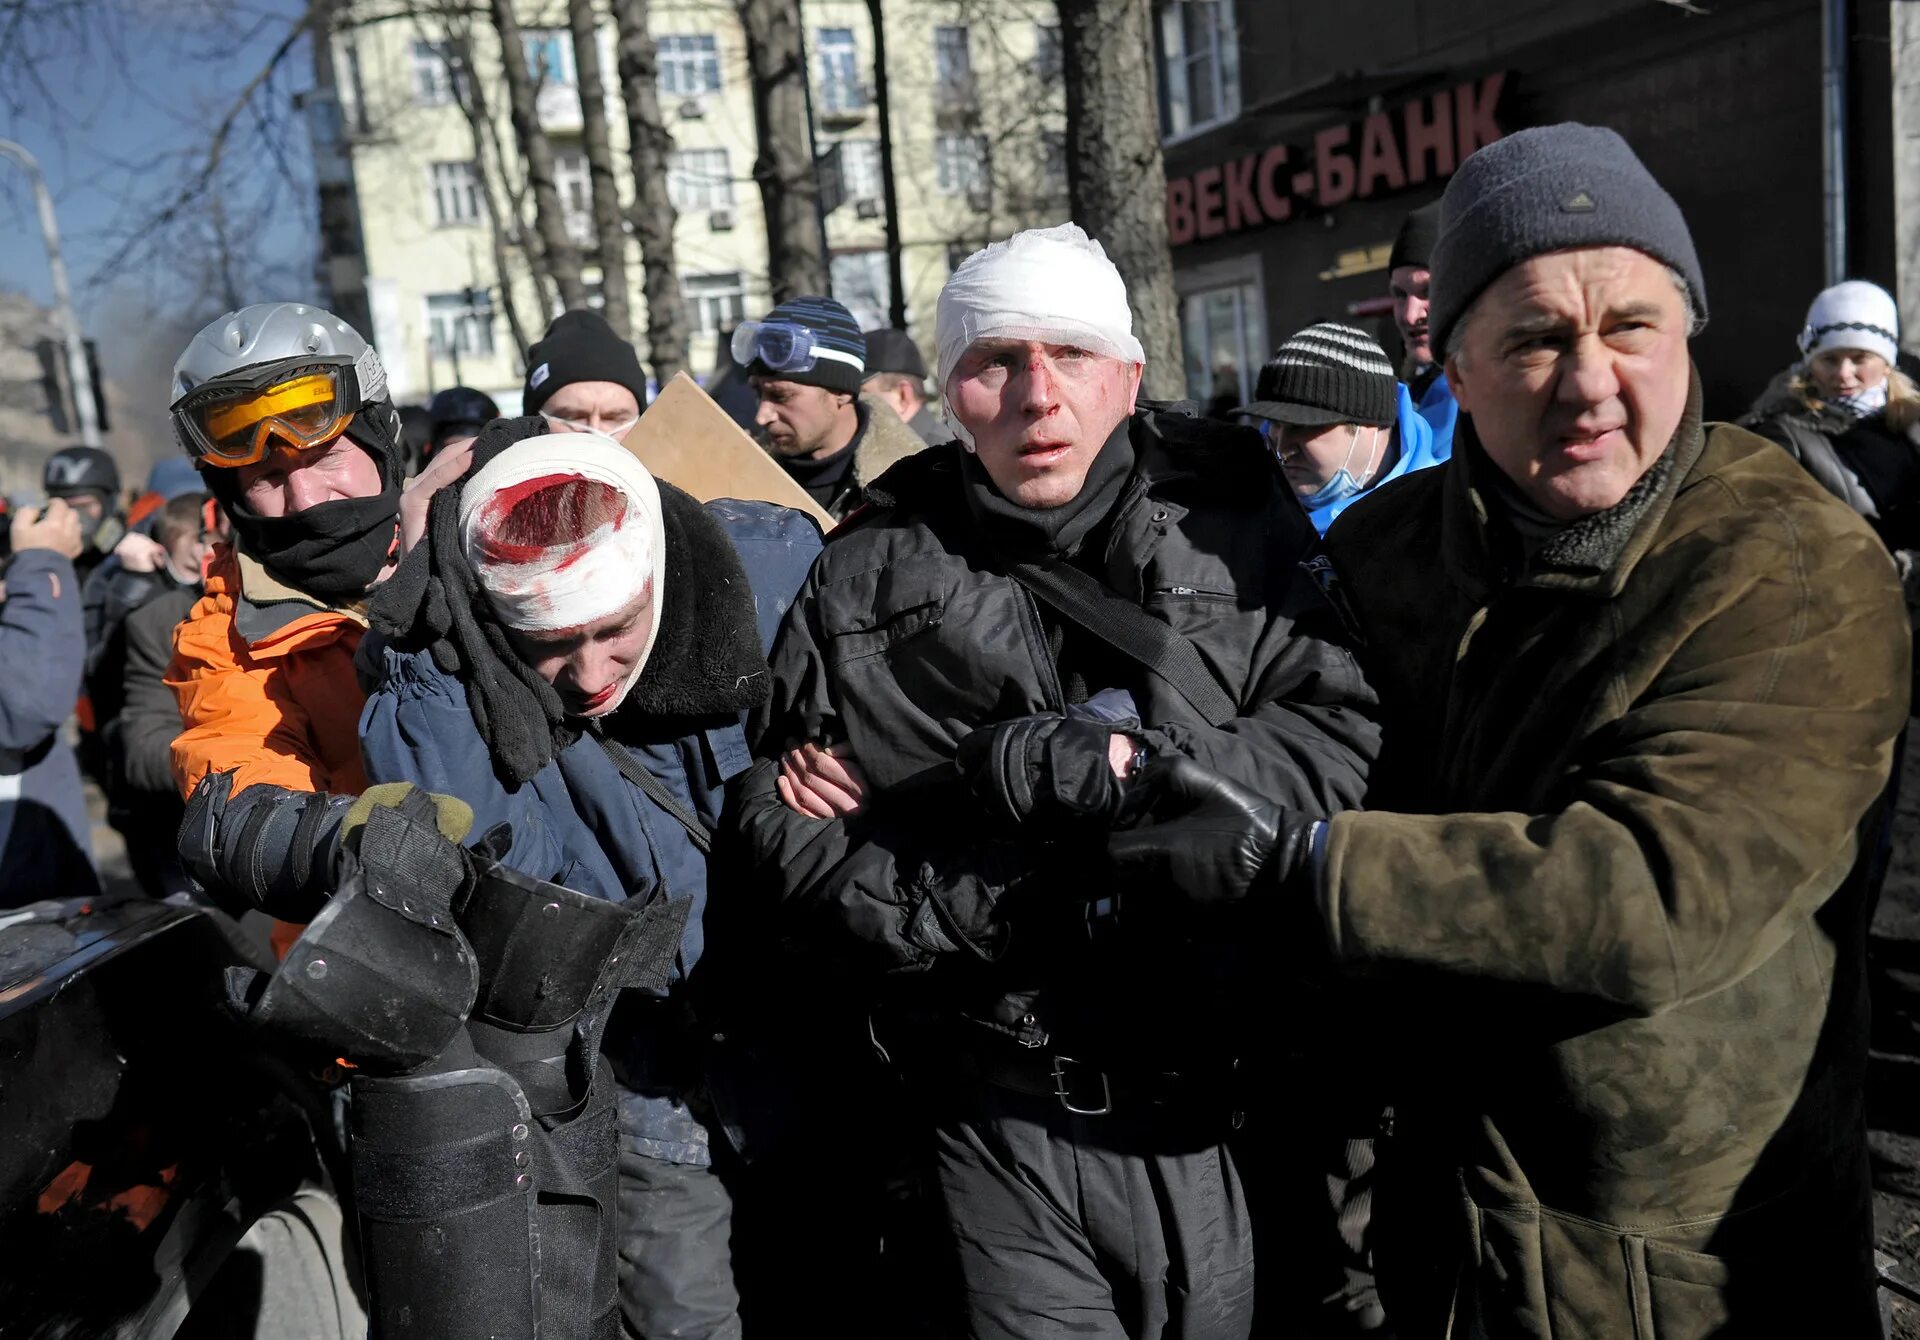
(1641, 678)
(583, 378)
(806, 360)
(1337, 421)
(965, 691)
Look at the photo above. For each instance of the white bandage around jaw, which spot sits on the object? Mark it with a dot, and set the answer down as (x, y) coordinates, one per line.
(1049, 285)
(569, 584)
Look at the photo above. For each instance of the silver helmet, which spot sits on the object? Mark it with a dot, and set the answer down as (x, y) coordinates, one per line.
(278, 371)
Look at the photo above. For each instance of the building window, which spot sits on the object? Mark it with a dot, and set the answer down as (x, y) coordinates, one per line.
(574, 182)
(1048, 64)
(1053, 162)
(549, 56)
(860, 284)
(860, 169)
(1220, 334)
(714, 302)
(689, 65)
(840, 89)
(432, 74)
(952, 67)
(457, 198)
(699, 179)
(959, 164)
(460, 324)
(1199, 66)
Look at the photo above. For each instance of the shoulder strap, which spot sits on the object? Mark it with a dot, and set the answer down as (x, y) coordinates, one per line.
(1131, 631)
(655, 790)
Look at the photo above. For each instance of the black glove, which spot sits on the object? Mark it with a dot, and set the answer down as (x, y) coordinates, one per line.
(1042, 767)
(1222, 844)
(280, 850)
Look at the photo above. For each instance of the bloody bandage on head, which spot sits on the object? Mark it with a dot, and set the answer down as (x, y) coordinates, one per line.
(562, 530)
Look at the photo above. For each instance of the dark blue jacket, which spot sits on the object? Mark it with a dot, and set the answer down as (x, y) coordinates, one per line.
(579, 822)
(46, 850)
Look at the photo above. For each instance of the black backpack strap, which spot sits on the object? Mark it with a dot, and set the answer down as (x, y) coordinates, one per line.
(655, 790)
(1131, 631)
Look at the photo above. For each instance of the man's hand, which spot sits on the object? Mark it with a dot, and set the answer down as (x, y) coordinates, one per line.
(1046, 767)
(140, 553)
(55, 527)
(821, 782)
(447, 465)
(1223, 844)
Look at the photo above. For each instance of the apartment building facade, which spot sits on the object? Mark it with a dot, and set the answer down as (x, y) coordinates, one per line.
(978, 150)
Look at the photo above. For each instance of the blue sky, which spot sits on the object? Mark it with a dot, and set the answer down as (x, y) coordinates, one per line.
(121, 111)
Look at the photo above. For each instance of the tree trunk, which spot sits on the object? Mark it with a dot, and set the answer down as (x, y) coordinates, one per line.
(557, 254)
(1116, 176)
(883, 97)
(650, 146)
(608, 226)
(469, 93)
(782, 122)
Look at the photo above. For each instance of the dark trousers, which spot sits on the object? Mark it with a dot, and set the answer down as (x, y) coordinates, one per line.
(676, 1268)
(1123, 1227)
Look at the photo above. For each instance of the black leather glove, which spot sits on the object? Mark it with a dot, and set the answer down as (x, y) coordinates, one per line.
(1042, 767)
(279, 850)
(1219, 844)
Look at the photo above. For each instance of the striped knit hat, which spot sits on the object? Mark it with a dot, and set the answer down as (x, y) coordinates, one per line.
(840, 350)
(1327, 373)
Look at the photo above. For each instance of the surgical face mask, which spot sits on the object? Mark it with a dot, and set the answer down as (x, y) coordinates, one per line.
(1342, 484)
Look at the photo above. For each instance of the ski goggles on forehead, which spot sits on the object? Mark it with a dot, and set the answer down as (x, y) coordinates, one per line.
(296, 403)
(785, 346)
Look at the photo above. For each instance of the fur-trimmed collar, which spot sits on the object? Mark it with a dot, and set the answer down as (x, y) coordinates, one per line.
(886, 442)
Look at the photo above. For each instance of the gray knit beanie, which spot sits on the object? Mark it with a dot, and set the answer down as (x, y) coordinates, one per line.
(1550, 188)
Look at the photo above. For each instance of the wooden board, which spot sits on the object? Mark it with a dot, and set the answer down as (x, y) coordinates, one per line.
(689, 441)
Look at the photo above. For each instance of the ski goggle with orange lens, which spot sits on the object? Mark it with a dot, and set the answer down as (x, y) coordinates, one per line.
(292, 404)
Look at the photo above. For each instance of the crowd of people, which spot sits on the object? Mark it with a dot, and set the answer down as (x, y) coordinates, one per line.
(1393, 862)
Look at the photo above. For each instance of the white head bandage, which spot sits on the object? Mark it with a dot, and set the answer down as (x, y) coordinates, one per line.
(1051, 285)
(563, 530)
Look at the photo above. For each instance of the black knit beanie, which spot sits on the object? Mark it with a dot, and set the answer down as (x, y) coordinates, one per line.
(1550, 188)
(835, 332)
(580, 347)
(1327, 373)
(1414, 245)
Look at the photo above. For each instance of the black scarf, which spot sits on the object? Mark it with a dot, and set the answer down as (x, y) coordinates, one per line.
(706, 657)
(333, 550)
(1040, 534)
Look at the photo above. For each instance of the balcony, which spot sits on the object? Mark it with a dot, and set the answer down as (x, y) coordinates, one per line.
(956, 102)
(840, 103)
(559, 108)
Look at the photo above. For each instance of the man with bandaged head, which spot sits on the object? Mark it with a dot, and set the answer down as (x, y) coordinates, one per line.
(572, 653)
(975, 669)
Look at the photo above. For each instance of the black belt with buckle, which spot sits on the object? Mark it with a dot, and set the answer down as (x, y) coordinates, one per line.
(1085, 1090)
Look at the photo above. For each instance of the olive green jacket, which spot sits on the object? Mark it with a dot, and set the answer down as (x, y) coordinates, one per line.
(1610, 913)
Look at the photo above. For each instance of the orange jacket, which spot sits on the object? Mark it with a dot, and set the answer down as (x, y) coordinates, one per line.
(264, 675)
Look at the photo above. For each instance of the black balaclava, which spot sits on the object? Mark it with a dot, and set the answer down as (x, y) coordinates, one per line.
(334, 550)
(1035, 534)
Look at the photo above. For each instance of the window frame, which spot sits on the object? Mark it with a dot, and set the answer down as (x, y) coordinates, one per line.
(683, 177)
(978, 172)
(442, 188)
(562, 43)
(1246, 276)
(1175, 72)
(431, 62)
(697, 297)
(694, 55)
(842, 92)
(475, 313)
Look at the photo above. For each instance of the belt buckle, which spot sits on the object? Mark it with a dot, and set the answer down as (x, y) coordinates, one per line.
(1063, 1089)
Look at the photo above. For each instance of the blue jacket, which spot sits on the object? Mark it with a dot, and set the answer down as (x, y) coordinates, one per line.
(1420, 446)
(46, 848)
(1441, 410)
(579, 822)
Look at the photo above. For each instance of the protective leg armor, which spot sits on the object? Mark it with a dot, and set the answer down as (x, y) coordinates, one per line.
(485, 1178)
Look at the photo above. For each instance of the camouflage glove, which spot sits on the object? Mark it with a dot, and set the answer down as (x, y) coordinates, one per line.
(1220, 844)
(409, 839)
(1042, 767)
